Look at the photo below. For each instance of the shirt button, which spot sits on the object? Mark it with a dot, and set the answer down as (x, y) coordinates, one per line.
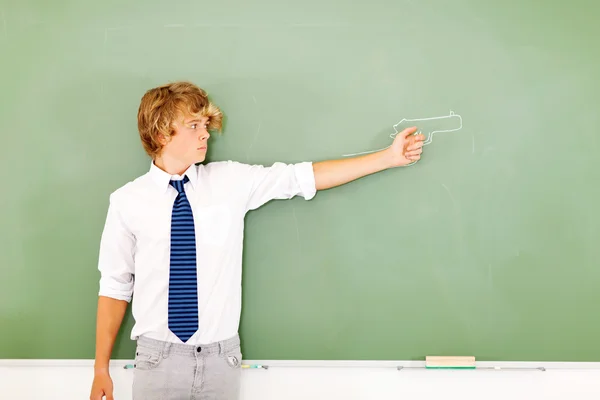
(199, 349)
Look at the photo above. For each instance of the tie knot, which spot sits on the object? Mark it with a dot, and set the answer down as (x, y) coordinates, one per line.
(178, 185)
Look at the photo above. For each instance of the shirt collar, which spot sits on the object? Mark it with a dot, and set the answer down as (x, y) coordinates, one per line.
(162, 178)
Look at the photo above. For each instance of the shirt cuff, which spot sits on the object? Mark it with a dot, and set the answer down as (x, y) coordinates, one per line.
(108, 289)
(305, 176)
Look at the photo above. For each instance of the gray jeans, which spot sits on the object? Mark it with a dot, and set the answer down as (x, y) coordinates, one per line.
(172, 371)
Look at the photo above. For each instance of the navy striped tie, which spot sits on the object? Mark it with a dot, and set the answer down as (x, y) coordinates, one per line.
(183, 288)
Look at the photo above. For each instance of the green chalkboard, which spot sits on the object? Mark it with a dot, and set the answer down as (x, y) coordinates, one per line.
(487, 247)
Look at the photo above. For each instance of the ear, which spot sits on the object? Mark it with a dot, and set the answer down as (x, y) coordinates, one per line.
(162, 139)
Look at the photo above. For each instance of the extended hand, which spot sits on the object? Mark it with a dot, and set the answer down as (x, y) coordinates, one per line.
(406, 148)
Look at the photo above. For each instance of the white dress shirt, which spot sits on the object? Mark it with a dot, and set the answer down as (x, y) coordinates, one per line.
(135, 244)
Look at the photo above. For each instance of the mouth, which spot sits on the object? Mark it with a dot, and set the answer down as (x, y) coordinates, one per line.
(202, 148)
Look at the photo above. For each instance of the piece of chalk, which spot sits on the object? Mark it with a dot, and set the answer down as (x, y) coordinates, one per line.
(253, 366)
(445, 362)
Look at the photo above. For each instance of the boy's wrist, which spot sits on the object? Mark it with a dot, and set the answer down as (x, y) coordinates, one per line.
(388, 158)
(101, 368)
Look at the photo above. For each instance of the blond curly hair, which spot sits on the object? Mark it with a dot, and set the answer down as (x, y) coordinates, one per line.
(160, 107)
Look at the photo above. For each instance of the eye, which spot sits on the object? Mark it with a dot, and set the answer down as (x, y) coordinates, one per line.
(194, 126)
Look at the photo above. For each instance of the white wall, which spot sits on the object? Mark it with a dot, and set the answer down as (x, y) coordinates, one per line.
(23, 380)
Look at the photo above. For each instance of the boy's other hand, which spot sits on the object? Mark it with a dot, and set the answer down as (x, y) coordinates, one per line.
(102, 386)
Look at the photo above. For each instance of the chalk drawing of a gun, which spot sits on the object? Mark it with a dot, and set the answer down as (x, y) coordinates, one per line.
(446, 123)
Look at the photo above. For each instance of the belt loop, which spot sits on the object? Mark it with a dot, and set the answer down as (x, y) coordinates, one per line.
(221, 348)
(166, 349)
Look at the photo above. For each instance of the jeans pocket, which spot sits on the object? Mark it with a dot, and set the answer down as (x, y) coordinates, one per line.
(147, 359)
(233, 357)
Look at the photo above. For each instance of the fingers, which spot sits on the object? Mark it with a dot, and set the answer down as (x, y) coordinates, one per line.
(408, 131)
(417, 138)
(412, 153)
(99, 395)
(415, 157)
(414, 146)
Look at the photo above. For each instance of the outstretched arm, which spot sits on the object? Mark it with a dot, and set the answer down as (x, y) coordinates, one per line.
(405, 149)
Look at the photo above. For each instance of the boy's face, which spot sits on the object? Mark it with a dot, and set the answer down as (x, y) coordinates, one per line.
(190, 142)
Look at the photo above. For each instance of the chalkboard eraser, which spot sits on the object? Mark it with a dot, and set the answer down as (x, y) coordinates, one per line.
(450, 362)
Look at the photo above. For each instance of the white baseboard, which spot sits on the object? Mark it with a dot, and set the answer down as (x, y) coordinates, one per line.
(318, 364)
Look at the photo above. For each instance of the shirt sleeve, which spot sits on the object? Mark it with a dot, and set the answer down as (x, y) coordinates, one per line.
(116, 260)
(279, 181)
